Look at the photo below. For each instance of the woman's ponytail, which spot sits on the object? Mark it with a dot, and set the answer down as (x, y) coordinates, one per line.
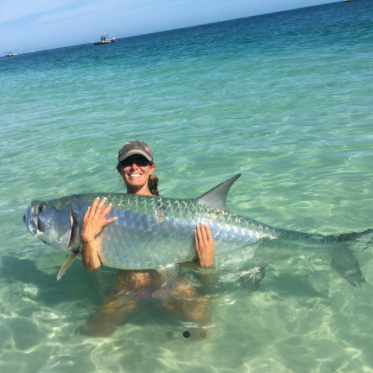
(153, 185)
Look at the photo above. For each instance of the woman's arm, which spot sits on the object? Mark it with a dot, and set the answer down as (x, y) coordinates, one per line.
(90, 258)
(204, 245)
(93, 222)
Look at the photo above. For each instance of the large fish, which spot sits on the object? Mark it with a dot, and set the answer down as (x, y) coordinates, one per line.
(155, 232)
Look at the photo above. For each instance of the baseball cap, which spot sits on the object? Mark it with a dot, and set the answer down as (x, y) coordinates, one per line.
(135, 147)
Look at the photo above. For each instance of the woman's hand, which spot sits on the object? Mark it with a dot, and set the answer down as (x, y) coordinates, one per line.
(204, 245)
(93, 222)
(95, 219)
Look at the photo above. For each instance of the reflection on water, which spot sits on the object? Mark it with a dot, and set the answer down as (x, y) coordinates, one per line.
(283, 99)
(304, 307)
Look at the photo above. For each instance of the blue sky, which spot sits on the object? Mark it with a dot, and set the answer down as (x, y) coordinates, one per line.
(27, 25)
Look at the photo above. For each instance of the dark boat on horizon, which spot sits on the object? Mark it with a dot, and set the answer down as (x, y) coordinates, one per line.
(104, 39)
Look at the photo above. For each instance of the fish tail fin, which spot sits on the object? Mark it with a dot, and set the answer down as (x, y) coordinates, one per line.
(344, 261)
(353, 235)
(347, 265)
(65, 266)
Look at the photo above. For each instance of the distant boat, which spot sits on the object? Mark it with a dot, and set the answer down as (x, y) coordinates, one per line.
(104, 39)
(10, 54)
(347, 1)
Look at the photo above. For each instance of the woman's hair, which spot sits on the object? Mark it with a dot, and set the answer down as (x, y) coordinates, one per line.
(152, 183)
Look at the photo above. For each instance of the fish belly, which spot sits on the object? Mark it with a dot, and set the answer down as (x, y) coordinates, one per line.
(140, 241)
(146, 240)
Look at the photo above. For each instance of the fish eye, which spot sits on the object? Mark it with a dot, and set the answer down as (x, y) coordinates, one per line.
(41, 208)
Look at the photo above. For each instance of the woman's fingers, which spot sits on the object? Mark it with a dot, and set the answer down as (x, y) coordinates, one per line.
(204, 233)
(110, 220)
(196, 239)
(208, 234)
(97, 209)
(106, 211)
(202, 236)
(86, 215)
(100, 208)
(94, 207)
(97, 213)
(204, 245)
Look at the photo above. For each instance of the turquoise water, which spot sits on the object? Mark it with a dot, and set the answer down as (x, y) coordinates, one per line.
(285, 99)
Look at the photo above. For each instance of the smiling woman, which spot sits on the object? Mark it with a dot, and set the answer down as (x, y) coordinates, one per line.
(136, 166)
(133, 161)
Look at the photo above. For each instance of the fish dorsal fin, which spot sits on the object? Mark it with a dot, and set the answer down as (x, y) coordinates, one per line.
(217, 196)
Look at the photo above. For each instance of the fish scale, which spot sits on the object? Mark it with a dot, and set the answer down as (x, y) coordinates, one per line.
(152, 232)
(152, 242)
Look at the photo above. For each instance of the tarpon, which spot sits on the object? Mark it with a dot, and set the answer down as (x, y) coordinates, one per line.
(153, 232)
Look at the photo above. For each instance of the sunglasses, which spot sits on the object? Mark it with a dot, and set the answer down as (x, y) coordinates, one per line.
(140, 161)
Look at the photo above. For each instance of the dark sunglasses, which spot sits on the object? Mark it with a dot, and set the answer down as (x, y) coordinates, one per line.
(140, 161)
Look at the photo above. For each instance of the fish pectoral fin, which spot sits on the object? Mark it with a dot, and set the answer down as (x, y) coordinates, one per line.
(217, 196)
(161, 213)
(65, 266)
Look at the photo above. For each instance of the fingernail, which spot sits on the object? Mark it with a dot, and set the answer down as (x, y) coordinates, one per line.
(98, 198)
(105, 198)
(110, 204)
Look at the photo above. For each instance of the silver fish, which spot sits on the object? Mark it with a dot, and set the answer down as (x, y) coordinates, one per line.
(156, 232)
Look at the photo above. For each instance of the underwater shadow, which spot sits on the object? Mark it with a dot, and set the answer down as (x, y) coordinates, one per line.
(78, 284)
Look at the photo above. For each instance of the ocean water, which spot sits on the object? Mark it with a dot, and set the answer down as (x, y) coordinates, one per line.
(285, 99)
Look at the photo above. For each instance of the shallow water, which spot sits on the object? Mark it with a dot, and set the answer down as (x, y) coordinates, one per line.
(283, 99)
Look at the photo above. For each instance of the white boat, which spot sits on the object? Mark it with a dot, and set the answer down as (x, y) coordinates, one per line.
(104, 39)
(10, 54)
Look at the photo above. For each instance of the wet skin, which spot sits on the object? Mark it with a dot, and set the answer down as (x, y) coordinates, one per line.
(182, 299)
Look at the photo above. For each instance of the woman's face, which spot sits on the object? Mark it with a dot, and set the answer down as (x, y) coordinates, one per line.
(135, 171)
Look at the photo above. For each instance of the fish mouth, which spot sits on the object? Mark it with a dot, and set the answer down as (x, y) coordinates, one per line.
(31, 220)
(74, 229)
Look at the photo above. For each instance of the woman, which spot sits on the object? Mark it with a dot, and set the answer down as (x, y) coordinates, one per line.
(136, 166)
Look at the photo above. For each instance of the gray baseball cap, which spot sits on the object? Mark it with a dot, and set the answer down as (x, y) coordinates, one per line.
(135, 147)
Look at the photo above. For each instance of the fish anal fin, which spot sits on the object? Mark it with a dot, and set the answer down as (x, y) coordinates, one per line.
(217, 196)
(169, 273)
(65, 266)
(251, 279)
